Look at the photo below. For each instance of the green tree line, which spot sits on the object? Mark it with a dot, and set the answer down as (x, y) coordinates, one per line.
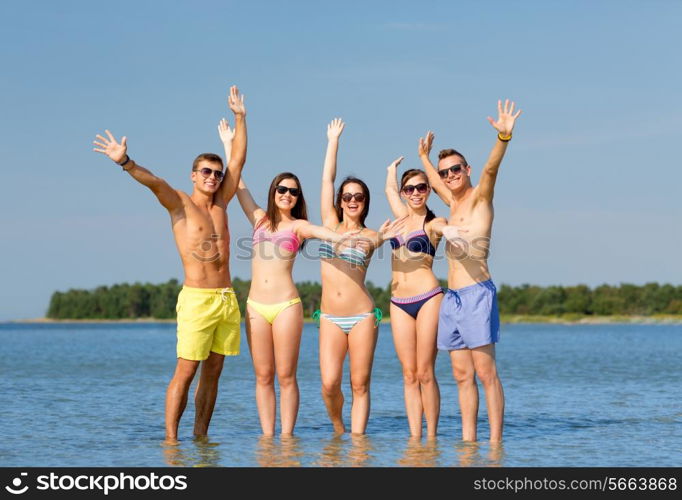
(126, 301)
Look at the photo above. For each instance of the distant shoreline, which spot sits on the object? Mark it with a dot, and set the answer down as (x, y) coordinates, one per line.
(572, 319)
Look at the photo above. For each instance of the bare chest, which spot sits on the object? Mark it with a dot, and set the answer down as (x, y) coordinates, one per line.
(477, 217)
(462, 213)
(201, 225)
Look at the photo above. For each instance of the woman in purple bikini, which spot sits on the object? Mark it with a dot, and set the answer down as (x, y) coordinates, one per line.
(415, 295)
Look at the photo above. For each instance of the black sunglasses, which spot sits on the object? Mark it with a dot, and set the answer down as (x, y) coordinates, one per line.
(454, 169)
(359, 197)
(421, 188)
(284, 189)
(206, 172)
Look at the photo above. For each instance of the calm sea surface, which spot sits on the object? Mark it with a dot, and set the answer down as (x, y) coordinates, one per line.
(588, 395)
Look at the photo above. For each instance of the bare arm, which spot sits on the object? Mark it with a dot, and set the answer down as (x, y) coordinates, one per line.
(392, 191)
(504, 126)
(305, 230)
(117, 152)
(436, 182)
(329, 217)
(389, 229)
(251, 209)
(234, 143)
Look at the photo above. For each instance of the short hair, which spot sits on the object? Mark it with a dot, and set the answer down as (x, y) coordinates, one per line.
(213, 158)
(444, 153)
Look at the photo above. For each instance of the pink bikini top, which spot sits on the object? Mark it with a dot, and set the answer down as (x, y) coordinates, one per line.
(286, 239)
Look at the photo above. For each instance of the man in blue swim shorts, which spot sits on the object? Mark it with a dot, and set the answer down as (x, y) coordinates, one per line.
(468, 325)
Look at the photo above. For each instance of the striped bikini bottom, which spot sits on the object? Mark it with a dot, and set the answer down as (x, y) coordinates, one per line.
(346, 323)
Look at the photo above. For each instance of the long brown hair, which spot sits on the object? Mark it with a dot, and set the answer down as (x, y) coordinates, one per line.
(414, 172)
(339, 194)
(299, 210)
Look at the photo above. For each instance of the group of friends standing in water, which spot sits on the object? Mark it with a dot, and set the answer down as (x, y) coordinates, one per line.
(462, 319)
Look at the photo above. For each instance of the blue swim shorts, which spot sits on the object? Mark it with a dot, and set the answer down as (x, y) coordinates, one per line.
(469, 317)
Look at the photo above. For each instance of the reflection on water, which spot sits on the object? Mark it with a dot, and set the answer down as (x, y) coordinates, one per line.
(200, 452)
(359, 453)
(332, 453)
(477, 454)
(495, 455)
(174, 455)
(346, 450)
(208, 453)
(420, 454)
(468, 453)
(283, 453)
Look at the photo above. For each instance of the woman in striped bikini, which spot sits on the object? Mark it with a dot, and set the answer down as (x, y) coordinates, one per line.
(348, 319)
(416, 295)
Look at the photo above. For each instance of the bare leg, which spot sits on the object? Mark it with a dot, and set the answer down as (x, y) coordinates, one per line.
(333, 349)
(362, 340)
(176, 396)
(463, 371)
(427, 329)
(486, 370)
(259, 336)
(207, 392)
(286, 336)
(404, 329)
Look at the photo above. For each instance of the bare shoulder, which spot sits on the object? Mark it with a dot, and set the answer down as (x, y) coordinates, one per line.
(436, 221)
(183, 196)
(369, 233)
(299, 223)
(430, 227)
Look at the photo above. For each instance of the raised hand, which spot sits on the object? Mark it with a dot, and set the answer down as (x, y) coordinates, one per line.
(235, 101)
(335, 128)
(226, 133)
(454, 234)
(425, 144)
(352, 239)
(394, 164)
(506, 117)
(359, 243)
(390, 229)
(111, 147)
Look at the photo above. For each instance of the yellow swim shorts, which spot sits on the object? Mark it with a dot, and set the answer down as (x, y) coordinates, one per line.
(208, 320)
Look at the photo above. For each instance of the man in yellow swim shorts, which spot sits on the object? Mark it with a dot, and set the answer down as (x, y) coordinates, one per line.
(208, 315)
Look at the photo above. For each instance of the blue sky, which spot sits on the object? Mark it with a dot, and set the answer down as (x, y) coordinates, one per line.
(588, 192)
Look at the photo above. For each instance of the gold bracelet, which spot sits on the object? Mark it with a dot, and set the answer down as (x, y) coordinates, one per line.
(504, 138)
